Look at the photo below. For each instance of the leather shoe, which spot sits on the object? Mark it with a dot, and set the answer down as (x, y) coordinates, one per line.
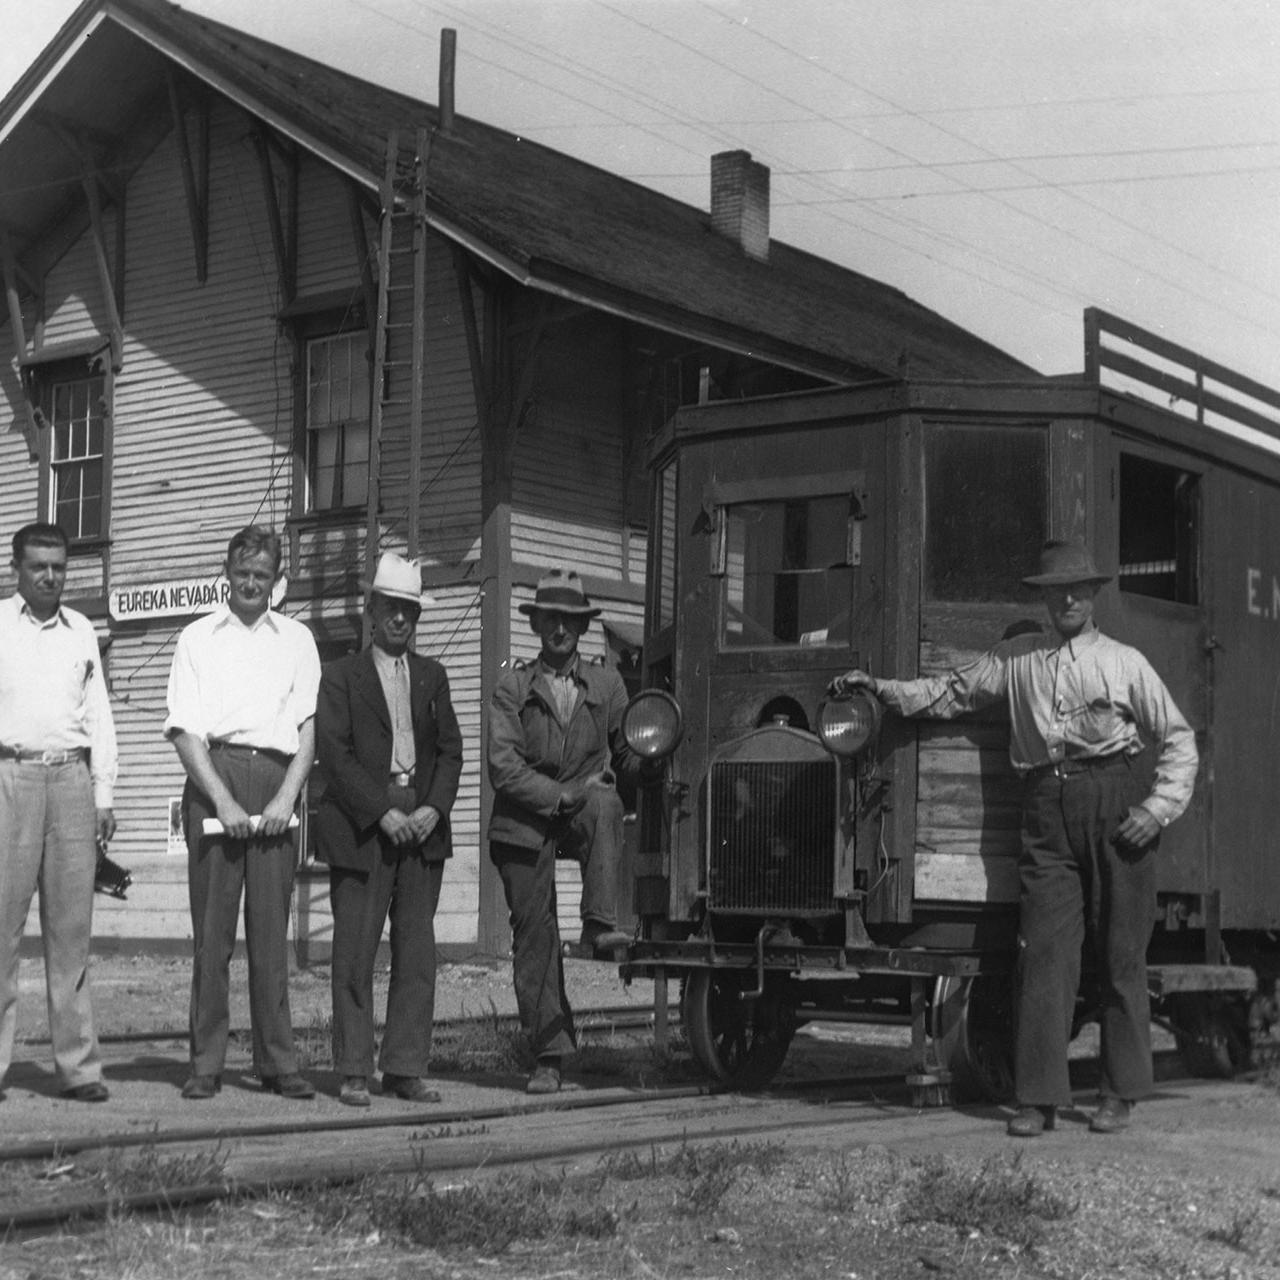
(602, 940)
(1111, 1116)
(410, 1088)
(1031, 1122)
(545, 1078)
(94, 1091)
(290, 1086)
(354, 1092)
(198, 1088)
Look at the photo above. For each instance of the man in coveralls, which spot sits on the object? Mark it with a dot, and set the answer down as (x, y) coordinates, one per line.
(1083, 706)
(555, 735)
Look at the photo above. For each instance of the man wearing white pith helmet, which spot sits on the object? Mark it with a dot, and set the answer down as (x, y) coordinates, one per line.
(388, 746)
(555, 738)
(1082, 708)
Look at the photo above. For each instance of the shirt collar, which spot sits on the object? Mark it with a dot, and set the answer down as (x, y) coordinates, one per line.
(550, 673)
(23, 611)
(1079, 643)
(225, 618)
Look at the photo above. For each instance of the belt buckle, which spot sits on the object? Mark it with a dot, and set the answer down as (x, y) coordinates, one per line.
(49, 758)
(402, 779)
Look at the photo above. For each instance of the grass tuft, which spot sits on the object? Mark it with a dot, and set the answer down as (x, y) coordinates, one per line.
(1241, 1233)
(137, 1170)
(487, 1218)
(999, 1199)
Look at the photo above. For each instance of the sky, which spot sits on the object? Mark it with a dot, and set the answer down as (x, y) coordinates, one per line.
(1005, 162)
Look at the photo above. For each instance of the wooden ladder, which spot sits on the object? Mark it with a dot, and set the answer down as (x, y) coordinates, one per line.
(400, 329)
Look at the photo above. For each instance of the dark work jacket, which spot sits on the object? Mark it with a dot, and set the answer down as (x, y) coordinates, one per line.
(533, 756)
(353, 749)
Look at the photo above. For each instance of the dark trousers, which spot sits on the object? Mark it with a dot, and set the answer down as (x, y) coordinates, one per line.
(1078, 887)
(218, 869)
(594, 839)
(406, 887)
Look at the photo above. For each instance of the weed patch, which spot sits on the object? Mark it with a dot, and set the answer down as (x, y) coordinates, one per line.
(137, 1170)
(999, 1199)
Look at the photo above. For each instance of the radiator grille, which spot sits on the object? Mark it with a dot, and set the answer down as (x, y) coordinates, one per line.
(772, 835)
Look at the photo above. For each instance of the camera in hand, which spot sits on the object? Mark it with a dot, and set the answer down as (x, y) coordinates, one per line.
(111, 878)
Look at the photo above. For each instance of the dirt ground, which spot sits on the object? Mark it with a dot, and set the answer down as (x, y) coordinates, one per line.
(1191, 1191)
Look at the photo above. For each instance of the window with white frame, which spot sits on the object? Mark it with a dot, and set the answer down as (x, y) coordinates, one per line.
(76, 490)
(337, 421)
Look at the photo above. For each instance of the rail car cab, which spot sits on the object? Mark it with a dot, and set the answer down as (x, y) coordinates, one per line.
(805, 858)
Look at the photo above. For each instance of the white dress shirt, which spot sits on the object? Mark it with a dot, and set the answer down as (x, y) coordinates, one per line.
(248, 686)
(53, 693)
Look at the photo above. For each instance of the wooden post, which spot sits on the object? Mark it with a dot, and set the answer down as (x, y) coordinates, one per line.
(448, 51)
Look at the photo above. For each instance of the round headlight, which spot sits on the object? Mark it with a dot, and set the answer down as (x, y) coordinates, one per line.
(847, 725)
(651, 724)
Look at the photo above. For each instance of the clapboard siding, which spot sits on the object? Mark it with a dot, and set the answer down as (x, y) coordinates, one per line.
(968, 796)
(567, 492)
(203, 422)
(204, 403)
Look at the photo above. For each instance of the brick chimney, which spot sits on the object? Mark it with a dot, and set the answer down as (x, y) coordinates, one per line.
(740, 202)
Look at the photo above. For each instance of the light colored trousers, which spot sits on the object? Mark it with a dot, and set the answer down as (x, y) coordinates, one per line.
(47, 829)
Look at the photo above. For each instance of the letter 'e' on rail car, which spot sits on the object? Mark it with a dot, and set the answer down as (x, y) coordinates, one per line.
(803, 858)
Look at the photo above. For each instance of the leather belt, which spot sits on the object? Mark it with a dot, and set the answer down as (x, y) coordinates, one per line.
(1062, 769)
(66, 756)
(217, 744)
(402, 779)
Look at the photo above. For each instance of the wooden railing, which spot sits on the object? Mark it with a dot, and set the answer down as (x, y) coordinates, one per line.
(1175, 378)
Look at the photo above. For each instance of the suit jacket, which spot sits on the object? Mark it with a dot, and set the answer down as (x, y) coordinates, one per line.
(353, 750)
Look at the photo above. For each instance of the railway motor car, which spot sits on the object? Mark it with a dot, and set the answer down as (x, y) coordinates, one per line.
(806, 858)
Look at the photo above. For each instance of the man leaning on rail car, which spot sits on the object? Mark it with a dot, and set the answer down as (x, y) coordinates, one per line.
(555, 734)
(57, 773)
(242, 701)
(388, 746)
(1082, 706)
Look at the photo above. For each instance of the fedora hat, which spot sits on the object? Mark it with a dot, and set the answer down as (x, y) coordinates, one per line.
(397, 577)
(1062, 563)
(562, 593)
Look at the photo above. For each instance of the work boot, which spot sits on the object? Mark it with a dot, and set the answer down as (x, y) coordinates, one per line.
(1031, 1122)
(602, 939)
(546, 1077)
(1111, 1117)
(354, 1092)
(410, 1088)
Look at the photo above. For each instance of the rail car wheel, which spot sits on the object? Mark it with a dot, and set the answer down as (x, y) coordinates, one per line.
(971, 1024)
(737, 1040)
(1212, 1034)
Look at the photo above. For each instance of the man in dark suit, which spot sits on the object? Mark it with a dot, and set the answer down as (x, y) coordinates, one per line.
(390, 752)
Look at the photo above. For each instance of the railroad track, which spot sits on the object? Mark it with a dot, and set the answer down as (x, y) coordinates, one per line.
(443, 1143)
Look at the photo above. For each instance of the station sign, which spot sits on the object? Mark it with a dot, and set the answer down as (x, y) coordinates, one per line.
(182, 597)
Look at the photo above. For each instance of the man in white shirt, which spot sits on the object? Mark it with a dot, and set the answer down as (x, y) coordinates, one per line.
(242, 700)
(57, 774)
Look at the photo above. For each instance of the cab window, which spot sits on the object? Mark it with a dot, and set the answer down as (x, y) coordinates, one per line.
(986, 509)
(787, 577)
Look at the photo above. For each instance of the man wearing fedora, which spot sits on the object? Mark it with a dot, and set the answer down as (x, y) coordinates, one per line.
(555, 737)
(1082, 706)
(390, 753)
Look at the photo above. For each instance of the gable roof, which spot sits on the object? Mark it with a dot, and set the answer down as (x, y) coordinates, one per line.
(548, 220)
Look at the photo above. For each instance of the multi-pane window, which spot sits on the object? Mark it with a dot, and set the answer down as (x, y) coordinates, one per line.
(337, 426)
(77, 456)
